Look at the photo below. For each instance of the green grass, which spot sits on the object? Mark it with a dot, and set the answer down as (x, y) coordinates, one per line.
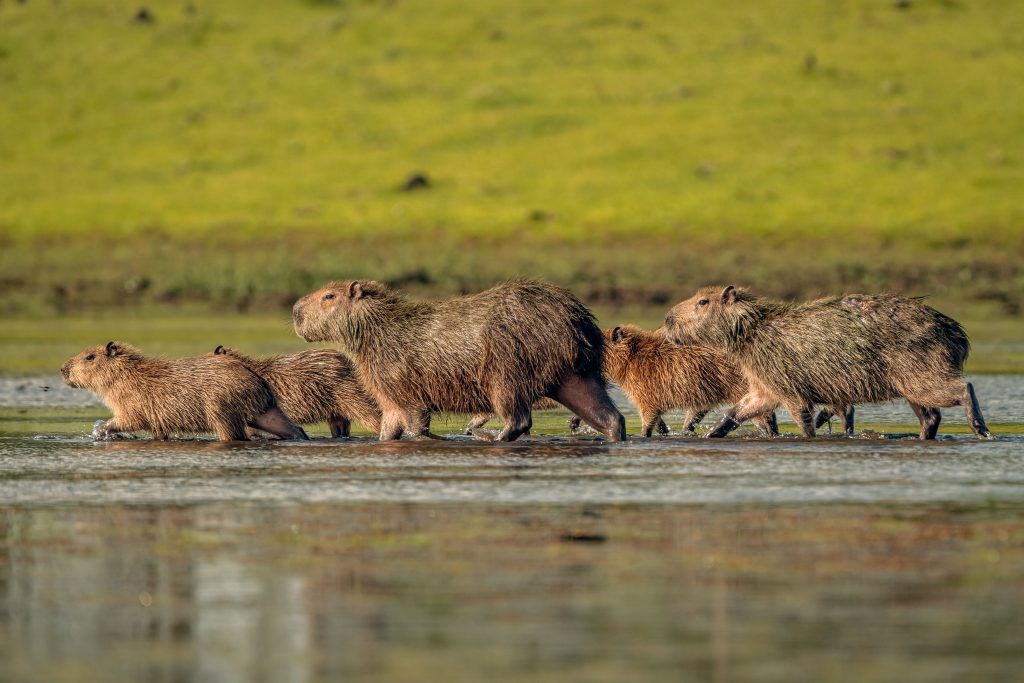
(238, 153)
(38, 345)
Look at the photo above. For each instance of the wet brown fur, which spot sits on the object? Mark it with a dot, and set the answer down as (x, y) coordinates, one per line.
(318, 385)
(837, 350)
(177, 395)
(498, 351)
(658, 375)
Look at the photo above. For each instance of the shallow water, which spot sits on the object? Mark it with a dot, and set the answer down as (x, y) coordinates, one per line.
(875, 558)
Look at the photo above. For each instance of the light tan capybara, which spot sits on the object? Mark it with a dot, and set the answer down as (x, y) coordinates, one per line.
(319, 385)
(177, 395)
(837, 350)
(658, 375)
(498, 351)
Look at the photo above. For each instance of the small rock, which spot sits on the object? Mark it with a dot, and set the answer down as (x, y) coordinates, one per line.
(417, 181)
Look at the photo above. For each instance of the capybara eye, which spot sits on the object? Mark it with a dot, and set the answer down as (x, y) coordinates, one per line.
(91, 356)
(329, 296)
(702, 302)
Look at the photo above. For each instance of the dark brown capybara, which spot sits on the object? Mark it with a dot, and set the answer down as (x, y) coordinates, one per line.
(837, 351)
(318, 385)
(658, 375)
(177, 395)
(498, 351)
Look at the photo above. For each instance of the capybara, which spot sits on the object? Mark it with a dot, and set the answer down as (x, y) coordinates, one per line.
(498, 351)
(837, 350)
(658, 375)
(177, 395)
(481, 419)
(319, 385)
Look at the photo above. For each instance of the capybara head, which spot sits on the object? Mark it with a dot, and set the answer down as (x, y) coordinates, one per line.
(620, 344)
(98, 366)
(323, 315)
(715, 316)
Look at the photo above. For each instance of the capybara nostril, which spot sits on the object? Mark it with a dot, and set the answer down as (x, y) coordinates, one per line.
(670, 320)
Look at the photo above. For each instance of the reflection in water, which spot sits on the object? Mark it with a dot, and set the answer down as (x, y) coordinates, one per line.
(302, 592)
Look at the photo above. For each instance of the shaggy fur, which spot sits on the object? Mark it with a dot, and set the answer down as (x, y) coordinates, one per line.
(319, 385)
(182, 395)
(498, 351)
(659, 375)
(837, 351)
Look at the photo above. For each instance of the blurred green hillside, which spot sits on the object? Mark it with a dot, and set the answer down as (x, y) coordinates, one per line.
(238, 153)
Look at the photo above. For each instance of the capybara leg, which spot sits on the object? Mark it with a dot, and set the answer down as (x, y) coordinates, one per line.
(748, 407)
(587, 397)
(650, 421)
(919, 411)
(933, 416)
(392, 424)
(574, 424)
(275, 422)
(803, 413)
(848, 420)
(417, 423)
(766, 424)
(231, 429)
(478, 421)
(101, 430)
(339, 426)
(662, 427)
(518, 421)
(973, 412)
(824, 417)
(693, 418)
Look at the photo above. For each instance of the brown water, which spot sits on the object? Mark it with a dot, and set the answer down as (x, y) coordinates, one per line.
(554, 558)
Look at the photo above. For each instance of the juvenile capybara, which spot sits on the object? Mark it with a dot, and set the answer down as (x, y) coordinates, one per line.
(481, 419)
(177, 395)
(658, 375)
(838, 350)
(498, 351)
(319, 385)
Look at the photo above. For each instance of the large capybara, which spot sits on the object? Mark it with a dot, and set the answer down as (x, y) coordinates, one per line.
(177, 395)
(498, 351)
(319, 385)
(837, 350)
(658, 375)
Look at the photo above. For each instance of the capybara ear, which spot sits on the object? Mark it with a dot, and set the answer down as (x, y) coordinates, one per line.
(355, 290)
(220, 350)
(617, 335)
(112, 348)
(729, 295)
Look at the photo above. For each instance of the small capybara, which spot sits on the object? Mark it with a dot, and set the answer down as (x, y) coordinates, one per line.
(498, 351)
(481, 419)
(177, 395)
(658, 375)
(838, 350)
(319, 385)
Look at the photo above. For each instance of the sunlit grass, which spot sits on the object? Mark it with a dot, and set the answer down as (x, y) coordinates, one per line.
(237, 152)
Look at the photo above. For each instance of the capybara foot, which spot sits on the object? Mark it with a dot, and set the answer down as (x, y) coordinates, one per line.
(724, 426)
(482, 434)
(275, 422)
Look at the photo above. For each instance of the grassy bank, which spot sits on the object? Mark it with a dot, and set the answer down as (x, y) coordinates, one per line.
(235, 154)
(38, 345)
